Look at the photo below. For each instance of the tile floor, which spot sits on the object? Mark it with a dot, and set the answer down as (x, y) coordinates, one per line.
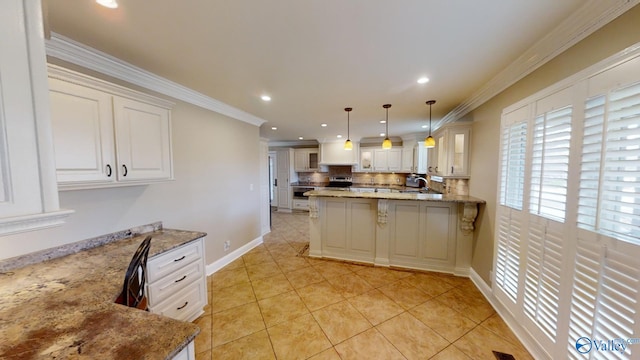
(273, 304)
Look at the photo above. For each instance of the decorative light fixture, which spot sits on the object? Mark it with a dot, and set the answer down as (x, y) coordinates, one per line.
(111, 4)
(386, 144)
(430, 142)
(348, 145)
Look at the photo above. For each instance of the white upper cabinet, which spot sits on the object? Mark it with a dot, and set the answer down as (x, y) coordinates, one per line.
(28, 194)
(333, 153)
(451, 154)
(387, 160)
(414, 156)
(106, 135)
(306, 160)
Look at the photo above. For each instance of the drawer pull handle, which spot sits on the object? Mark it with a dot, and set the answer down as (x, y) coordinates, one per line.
(108, 170)
(183, 256)
(126, 171)
(182, 307)
(184, 277)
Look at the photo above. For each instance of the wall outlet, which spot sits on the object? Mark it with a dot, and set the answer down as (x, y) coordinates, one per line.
(227, 244)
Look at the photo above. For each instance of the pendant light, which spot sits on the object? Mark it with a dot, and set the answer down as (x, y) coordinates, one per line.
(348, 145)
(430, 142)
(386, 144)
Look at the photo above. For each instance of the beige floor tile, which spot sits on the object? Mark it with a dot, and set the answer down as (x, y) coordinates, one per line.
(262, 270)
(480, 343)
(477, 308)
(350, 284)
(232, 296)
(299, 338)
(237, 263)
(368, 345)
(203, 340)
(224, 278)
(447, 322)
(281, 308)
(377, 276)
(405, 294)
(414, 339)
(256, 346)
(456, 281)
(340, 321)
(304, 277)
(291, 263)
(319, 295)
(430, 283)
(375, 306)
(329, 354)
(235, 323)
(205, 355)
(330, 269)
(452, 353)
(496, 325)
(257, 257)
(271, 286)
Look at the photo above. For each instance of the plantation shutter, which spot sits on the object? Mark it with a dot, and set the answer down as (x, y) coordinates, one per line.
(550, 163)
(514, 142)
(605, 296)
(508, 259)
(543, 277)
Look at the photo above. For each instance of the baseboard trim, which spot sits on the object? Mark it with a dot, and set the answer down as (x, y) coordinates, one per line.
(525, 338)
(232, 256)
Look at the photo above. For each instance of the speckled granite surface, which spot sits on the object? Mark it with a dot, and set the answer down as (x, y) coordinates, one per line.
(63, 308)
(397, 196)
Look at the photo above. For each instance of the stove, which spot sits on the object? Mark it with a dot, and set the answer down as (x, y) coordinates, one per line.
(340, 182)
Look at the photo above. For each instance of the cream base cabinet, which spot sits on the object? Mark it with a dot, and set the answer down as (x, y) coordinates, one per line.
(106, 135)
(177, 285)
(349, 228)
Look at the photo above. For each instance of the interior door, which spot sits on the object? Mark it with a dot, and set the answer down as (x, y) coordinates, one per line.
(273, 178)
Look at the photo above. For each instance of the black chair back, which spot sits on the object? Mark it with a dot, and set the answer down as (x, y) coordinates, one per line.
(133, 291)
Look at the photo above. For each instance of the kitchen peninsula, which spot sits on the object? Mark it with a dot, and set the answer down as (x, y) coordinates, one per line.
(411, 230)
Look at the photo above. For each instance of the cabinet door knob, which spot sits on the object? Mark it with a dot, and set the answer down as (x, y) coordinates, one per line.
(124, 167)
(108, 170)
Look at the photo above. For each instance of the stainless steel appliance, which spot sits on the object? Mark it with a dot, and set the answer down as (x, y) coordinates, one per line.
(298, 192)
(340, 182)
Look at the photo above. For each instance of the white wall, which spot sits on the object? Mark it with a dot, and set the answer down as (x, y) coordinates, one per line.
(215, 158)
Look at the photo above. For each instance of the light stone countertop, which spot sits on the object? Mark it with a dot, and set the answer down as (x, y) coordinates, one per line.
(396, 196)
(64, 308)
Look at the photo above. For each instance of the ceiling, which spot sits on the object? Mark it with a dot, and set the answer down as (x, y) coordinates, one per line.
(316, 57)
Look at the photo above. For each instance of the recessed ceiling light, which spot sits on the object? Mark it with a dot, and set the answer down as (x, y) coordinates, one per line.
(424, 126)
(323, 125)
(265, 98)
(382, 134)
(339, 136)
(423, 80)
(111, 4)
(300, 138)
(274, 128)
(383, 121)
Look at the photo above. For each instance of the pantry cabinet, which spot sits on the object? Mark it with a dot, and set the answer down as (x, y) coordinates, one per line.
(106, 135)
(28, 194)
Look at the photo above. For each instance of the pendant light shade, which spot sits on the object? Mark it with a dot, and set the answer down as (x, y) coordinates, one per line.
(430, 142)
(386, 144)
(348, 145)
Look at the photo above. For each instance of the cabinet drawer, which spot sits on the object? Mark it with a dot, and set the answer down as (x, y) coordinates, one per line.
(184, 304)
(301, 204)
(170, 284)
(171, 261)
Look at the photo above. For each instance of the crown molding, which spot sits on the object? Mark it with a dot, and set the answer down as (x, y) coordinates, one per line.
(585, 21)
(68, 50)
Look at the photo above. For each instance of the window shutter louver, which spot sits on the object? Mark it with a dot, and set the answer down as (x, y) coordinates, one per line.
(514, 142)
(508, 259)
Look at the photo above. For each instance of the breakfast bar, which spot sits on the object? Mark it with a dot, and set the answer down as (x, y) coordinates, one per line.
(410, 230)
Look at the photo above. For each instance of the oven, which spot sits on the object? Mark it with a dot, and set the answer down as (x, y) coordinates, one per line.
(298, 192)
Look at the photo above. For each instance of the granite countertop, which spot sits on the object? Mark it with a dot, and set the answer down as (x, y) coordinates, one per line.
(64, 307)
(396, 196)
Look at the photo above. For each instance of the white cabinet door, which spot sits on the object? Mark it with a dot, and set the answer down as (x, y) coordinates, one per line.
(82, 122)
(366, 160)
(408, 159)
(301, 160)
(335, 154)
(394, 160)
(28, 194)
(143, 142)
(420, 158)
